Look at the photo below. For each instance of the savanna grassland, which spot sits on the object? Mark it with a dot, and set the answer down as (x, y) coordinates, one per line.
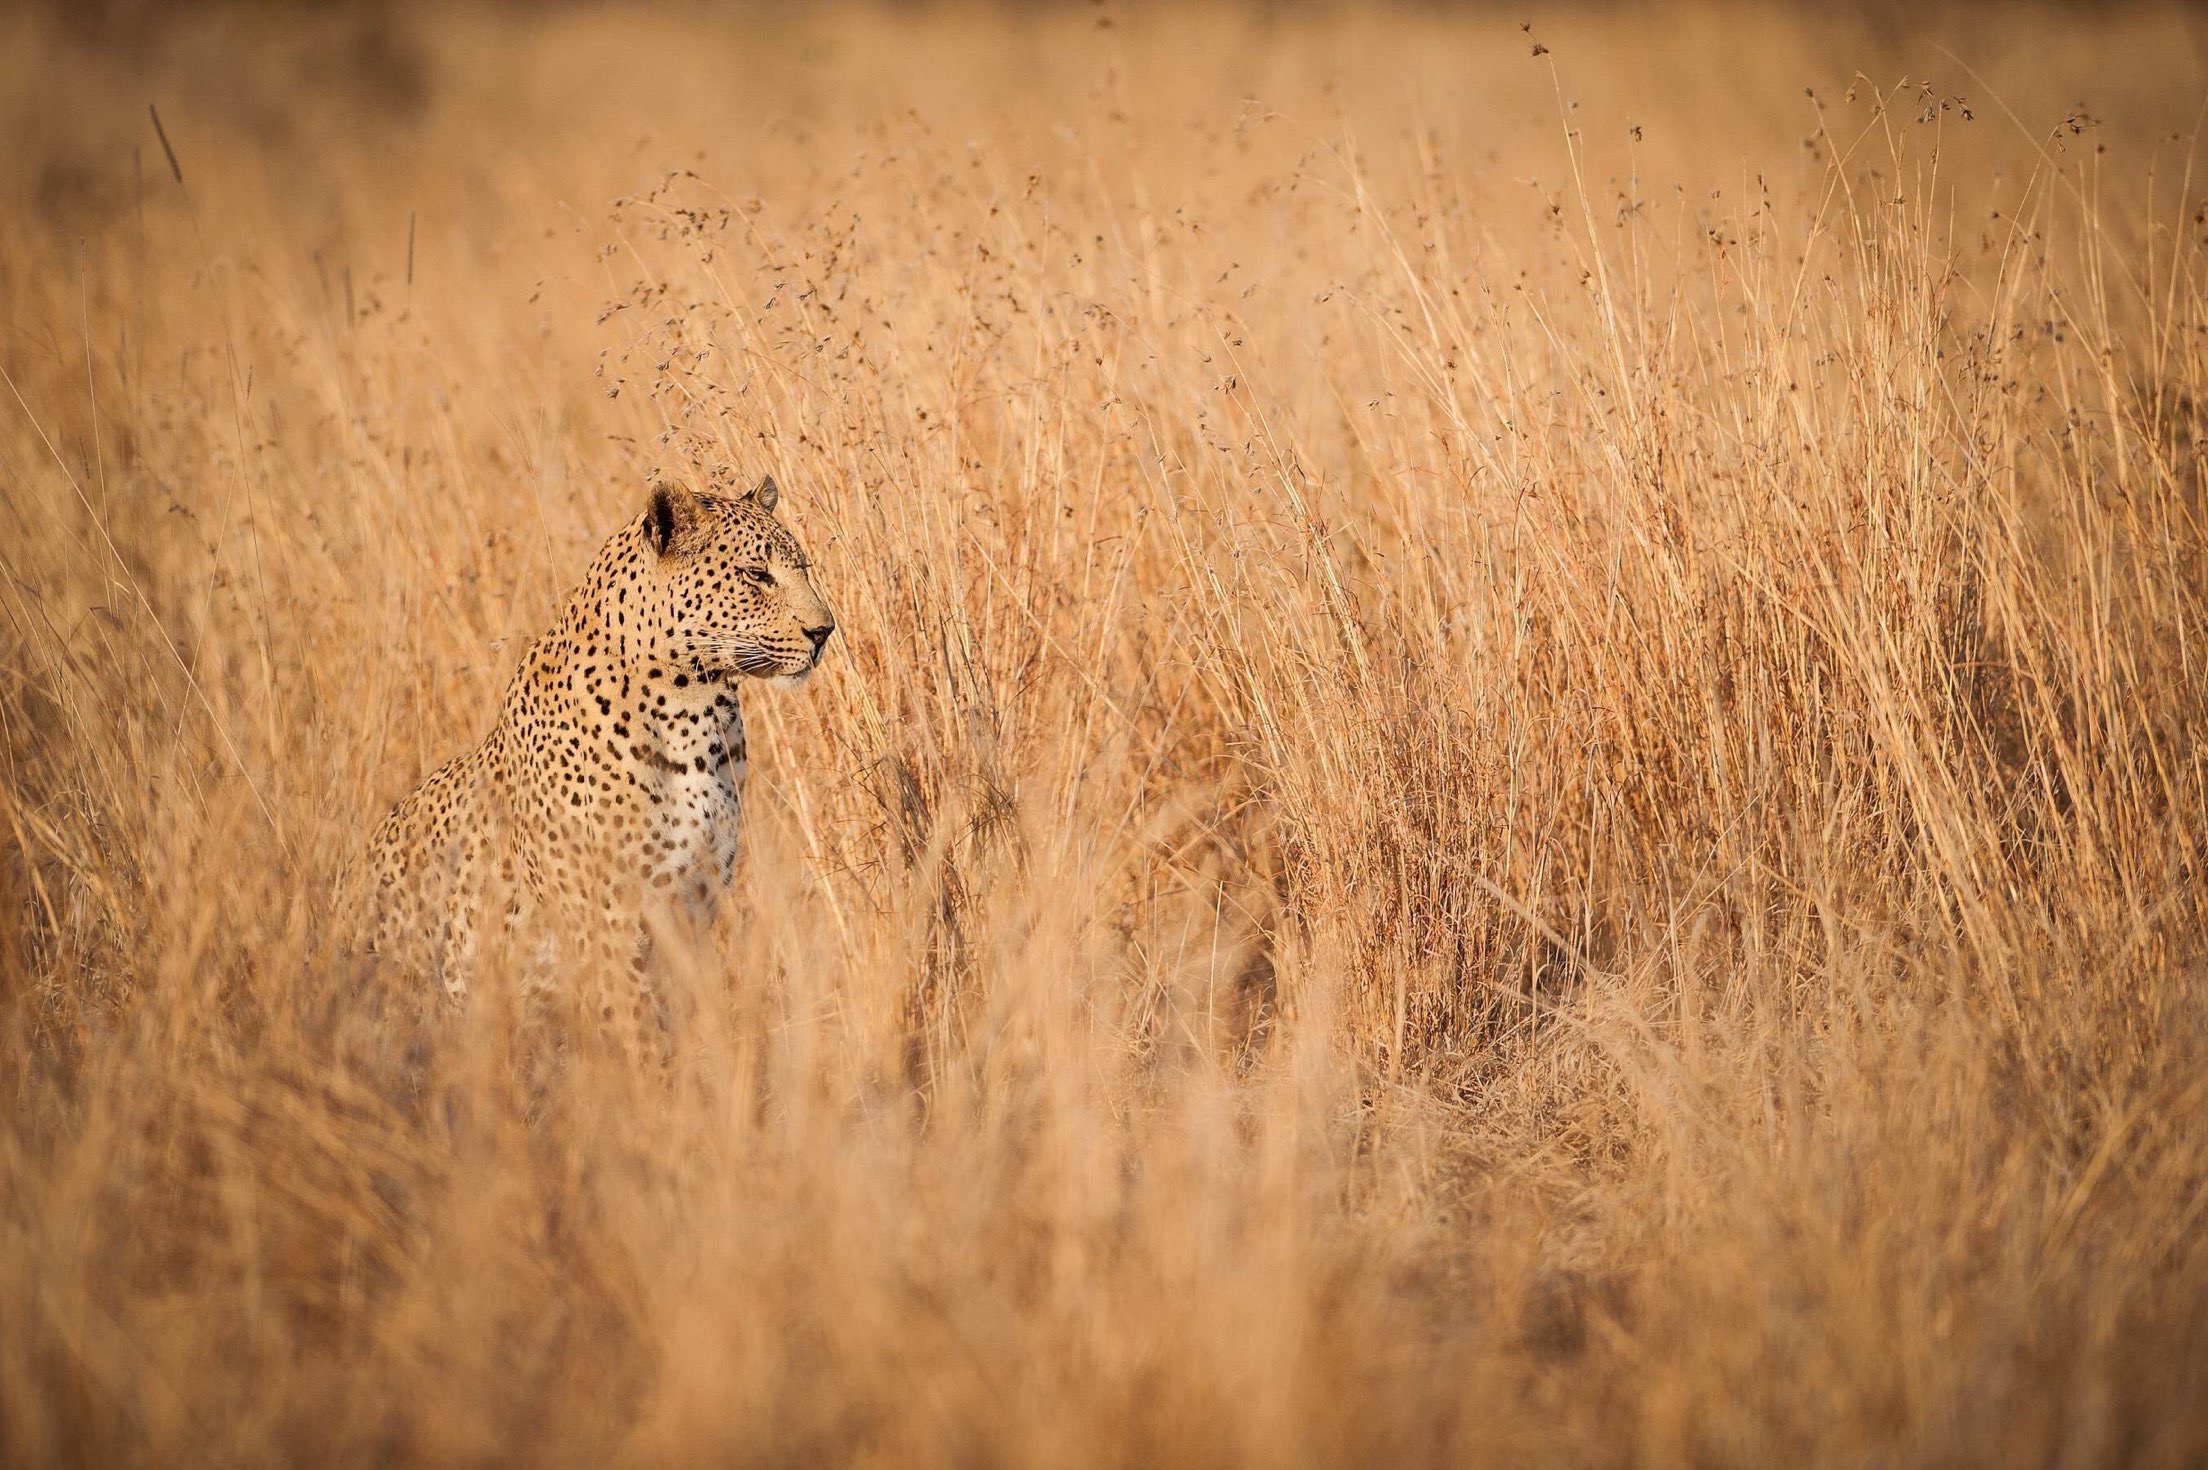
(1514, 772)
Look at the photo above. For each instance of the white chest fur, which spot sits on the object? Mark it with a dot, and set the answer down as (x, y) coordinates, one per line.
(692, 832)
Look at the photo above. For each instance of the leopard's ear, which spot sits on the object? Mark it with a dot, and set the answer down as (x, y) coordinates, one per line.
(766, 495)
(675, 512)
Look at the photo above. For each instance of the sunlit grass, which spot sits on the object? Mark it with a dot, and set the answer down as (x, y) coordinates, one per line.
(1514, 772)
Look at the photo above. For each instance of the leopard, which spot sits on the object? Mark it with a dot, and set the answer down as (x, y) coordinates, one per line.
(607, 797)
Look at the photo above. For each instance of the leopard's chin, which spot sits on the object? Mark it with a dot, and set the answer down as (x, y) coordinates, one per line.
(788, 681)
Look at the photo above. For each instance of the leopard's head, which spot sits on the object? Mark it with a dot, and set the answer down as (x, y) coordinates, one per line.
(734, 590)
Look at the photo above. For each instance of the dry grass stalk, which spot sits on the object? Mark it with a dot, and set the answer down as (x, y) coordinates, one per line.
(1456, 821)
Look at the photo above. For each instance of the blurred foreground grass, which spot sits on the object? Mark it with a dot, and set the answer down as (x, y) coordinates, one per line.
(1517, 774)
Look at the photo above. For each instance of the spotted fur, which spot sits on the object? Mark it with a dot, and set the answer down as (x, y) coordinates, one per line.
(609, 791)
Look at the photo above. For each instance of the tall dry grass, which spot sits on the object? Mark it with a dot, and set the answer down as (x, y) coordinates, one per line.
(1516, 772)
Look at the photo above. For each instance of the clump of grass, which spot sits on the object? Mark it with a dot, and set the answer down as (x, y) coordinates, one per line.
(1514, 773)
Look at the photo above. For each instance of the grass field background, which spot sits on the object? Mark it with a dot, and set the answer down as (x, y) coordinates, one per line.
(1514, 772)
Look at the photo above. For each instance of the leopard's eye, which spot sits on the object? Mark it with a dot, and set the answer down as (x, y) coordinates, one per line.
(759, 575)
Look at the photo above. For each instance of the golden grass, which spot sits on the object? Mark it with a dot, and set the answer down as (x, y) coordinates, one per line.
(1515, 773)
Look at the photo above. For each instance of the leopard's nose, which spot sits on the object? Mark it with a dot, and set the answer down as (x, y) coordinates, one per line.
(819, 637)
